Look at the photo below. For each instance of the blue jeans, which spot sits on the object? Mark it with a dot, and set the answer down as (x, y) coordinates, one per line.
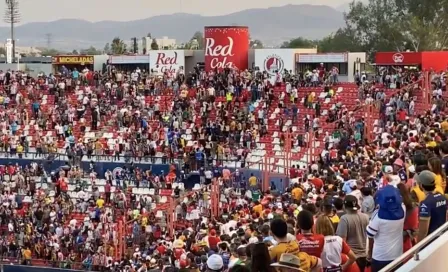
(378, 265)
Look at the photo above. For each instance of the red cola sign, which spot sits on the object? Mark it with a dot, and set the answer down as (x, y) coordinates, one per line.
(226, 47)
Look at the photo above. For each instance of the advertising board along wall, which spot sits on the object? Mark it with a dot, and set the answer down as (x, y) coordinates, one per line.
(167, 61)
(274, 61)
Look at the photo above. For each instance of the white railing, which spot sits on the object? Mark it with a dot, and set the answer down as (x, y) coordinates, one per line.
(420, 252)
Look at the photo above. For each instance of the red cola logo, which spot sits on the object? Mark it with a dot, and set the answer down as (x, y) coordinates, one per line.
(167, 63)
(221, 54)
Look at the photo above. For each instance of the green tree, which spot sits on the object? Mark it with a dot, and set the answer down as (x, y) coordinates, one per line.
(154, 45)
(299, 42)
(397, 25)
(196, 42)
(2, 51)
(342, 40)
(118, 47)
(75, 52)
(50, 52)
(256, 44)
(90, 51)
(106, 48)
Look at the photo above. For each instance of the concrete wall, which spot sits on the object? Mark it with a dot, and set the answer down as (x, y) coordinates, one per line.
(98, 61)
(353, 66)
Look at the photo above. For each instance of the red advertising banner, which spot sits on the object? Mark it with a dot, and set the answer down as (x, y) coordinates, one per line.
(226, 47)
(398, 58)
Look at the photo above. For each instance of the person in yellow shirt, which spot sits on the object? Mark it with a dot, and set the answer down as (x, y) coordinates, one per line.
(27, 256)
(297, 193)
(444, 125)
(279, 230)
(100, 202)
(258, 208)
(435, 165)
(252, 180)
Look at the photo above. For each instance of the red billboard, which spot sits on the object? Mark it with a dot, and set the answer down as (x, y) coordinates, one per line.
(226, 47)
(398, 58)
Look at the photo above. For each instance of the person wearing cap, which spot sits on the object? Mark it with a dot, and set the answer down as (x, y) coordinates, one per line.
(351, 228)
(385, 229)
(432, 210)
(400, 169)
(215, 263)
(288, 262)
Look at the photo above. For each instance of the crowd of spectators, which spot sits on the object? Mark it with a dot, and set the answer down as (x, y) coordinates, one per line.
(358, 207)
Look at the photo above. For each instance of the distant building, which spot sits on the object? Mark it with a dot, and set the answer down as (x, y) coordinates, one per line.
(166, 43)
(144, 44)
(25, 50)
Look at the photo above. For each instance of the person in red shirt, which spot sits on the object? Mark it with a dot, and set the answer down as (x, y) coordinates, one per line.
(107, 190)
(213, 240)
(309, 242)
(293, 172)
(317, 182)
(161, 249)
(178, 248)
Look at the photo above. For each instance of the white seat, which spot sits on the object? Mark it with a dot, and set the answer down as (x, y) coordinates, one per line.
(27, 199)
(163, 199)
(152, 191)
(52, 193)
(197, 187)
(159, 214)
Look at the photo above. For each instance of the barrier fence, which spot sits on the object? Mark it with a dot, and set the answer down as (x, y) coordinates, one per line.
(43, 266)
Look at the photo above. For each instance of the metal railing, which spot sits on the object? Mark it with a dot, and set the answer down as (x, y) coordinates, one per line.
(414, 251)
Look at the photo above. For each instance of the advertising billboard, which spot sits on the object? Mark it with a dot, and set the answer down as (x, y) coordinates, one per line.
(167, 61)
(139, 59)
(82, 60)
(226, 47)
(274, 60)
(398, 58)
(323, 58)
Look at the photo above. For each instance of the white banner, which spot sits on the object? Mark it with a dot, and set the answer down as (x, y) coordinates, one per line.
(169, 61)
(274, 60)
(143, 59)
(8, 47)
(323, 58)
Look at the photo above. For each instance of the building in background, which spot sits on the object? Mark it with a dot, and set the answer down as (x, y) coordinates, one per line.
(24, 50)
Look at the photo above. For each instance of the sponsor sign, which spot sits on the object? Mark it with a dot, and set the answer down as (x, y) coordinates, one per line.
(167, 61)
(226, 47)
(73, 60)
(274, 61)
(323, 58)
(143, 59)
(398, 58)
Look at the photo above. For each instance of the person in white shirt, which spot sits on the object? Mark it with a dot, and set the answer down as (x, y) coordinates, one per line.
(385, 230)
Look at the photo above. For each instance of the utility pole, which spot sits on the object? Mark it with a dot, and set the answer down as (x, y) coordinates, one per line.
(12, 17)
(49, 37)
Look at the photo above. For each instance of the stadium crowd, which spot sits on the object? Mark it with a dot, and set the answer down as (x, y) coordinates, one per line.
(358, 207)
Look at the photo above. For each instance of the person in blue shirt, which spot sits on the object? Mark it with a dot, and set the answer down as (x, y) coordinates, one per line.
(14, 128)
(432, 210)
(199, 158)
(36, 107)
(75, 74)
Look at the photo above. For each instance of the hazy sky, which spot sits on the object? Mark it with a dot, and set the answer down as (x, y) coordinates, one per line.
(126, 10)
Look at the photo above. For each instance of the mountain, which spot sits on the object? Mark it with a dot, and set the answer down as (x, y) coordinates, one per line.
(272, 26)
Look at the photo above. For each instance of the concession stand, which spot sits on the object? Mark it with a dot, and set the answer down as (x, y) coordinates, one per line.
(427, 60)
(80, 62)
